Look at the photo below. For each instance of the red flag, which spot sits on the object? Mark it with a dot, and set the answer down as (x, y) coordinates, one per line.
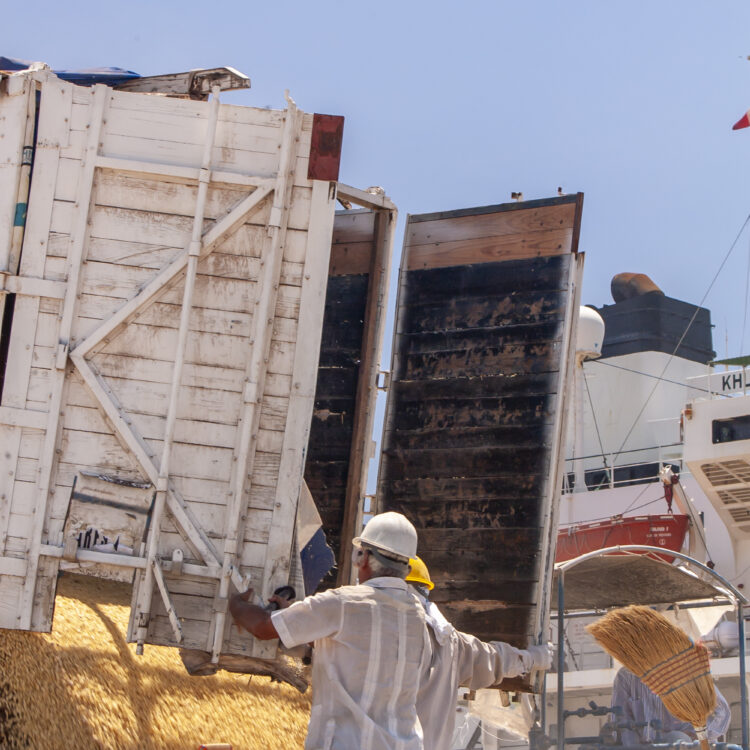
(743, 122)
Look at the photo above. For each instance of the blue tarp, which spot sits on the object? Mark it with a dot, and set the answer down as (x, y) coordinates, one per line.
(317, 559)
(86, 77)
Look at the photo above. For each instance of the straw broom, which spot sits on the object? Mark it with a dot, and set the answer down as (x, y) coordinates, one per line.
(665, 660)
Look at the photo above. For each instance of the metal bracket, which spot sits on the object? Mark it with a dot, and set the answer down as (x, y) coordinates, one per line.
(386, 383)
(177, 558)
(70, 549)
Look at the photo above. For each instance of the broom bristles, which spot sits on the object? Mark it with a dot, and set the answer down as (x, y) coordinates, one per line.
(645, 641)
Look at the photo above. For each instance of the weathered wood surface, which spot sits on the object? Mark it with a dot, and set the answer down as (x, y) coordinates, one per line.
(471, 422)
(327, 464)
(141, 176)
(336, 467)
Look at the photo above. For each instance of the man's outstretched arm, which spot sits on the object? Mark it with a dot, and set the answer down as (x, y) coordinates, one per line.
(253, 618)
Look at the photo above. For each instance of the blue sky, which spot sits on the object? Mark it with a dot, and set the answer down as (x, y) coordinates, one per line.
(450, 105)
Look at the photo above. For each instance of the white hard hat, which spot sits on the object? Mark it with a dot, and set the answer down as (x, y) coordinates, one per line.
(391, 533)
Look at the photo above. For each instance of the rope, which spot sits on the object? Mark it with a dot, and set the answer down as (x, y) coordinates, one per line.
(593, 414)
(656, 377)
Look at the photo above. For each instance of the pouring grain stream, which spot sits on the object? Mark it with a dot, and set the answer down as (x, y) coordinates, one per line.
(82, 686)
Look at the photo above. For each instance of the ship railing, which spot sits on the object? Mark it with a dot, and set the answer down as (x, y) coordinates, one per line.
(607, 471)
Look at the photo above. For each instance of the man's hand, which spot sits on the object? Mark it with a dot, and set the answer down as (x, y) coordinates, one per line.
(541, 657)
(280, 601)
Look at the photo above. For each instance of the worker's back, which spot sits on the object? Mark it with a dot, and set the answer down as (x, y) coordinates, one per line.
(371, 647)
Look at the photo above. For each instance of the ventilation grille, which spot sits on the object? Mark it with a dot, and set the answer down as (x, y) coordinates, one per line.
(729, 497)
(722, 473)
(740, 515)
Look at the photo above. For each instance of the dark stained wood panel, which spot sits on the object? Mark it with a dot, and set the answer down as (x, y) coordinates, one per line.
(346, 388)
(481, 349)
(328, 449)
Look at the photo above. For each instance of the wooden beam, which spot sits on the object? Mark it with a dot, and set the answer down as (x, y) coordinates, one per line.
(15, 417)
(32, 287)
(364, 198)
(364, 404)
(12, 566)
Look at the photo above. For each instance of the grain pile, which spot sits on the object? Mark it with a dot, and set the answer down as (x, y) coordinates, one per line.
(82, 686)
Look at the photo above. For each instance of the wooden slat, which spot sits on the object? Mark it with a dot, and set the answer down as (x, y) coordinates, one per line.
(457, 363)
(486, 281)
(350, 259)
(492, 221)
(490, 249)
(459, 313)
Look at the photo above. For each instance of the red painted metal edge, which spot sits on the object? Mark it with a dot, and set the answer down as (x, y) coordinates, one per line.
(325, 148)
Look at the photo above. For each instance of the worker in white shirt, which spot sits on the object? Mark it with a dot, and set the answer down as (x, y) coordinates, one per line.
(460, 660)
(371, 645)
(640, 706)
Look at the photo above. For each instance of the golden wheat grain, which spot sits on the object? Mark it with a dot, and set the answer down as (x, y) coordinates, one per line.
(82, 686)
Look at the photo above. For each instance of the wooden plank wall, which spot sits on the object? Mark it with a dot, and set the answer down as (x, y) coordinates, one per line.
(469, 421)
(327, 468)
(137, 224)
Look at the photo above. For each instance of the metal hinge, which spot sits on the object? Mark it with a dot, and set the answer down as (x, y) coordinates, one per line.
(386, 381)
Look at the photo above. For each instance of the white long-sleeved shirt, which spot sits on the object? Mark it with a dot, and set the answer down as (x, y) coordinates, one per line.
(640, 704)
(458, 660)
(371, 646)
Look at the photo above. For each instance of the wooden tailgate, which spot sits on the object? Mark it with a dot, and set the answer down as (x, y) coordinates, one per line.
(173, 274)
(483, 341)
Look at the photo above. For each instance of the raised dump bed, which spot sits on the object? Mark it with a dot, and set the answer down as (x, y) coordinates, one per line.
(164, 307)
(482, 353)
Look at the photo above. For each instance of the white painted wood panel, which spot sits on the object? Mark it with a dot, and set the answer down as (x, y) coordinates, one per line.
(107, 233)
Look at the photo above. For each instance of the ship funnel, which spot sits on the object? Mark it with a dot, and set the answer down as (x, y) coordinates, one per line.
(590, 333)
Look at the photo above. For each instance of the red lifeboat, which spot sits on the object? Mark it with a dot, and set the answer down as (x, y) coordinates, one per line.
(667, 531)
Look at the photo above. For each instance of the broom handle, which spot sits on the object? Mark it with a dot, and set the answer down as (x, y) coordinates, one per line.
(705, 745)
(703, 737)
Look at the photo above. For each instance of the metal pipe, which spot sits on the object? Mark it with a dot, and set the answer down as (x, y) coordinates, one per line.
(743, 674)
(560, 660)
(686, 605)
(146, 590)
